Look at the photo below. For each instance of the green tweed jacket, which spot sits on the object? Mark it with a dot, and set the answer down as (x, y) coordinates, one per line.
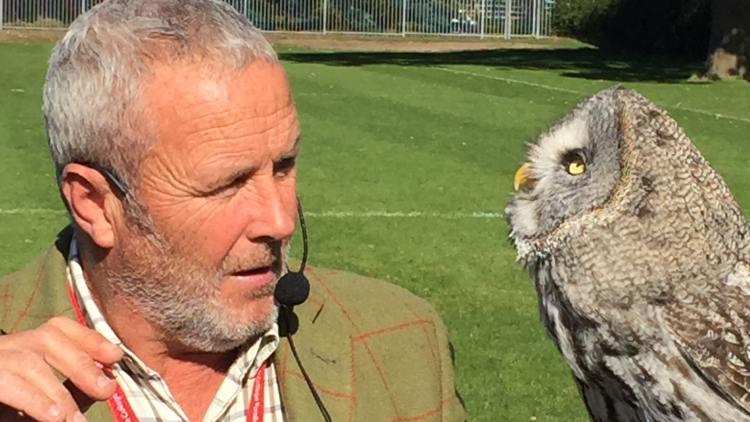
(375, 352)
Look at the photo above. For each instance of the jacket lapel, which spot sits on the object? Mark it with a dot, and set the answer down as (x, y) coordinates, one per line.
(324, 347)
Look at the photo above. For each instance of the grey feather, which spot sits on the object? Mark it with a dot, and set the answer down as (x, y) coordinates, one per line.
(640, 264)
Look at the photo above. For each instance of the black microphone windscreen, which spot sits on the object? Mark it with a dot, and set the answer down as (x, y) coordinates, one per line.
(292, 289)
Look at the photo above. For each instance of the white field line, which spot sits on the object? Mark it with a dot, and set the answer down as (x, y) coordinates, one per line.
(570, 91)
(508, 80)
(322, 94)
(400, 214)
(23, 211)
(324, 214)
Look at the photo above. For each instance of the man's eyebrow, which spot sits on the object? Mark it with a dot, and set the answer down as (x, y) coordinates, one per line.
(293, 151)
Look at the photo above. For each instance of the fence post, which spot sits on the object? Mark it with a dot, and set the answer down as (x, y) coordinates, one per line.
(481, 25)
(403, 18)
(83, 6)
(508, 18)
(535, 18)
(1, 14)
(325, 16)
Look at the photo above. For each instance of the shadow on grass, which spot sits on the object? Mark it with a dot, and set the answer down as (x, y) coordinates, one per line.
(585, 63)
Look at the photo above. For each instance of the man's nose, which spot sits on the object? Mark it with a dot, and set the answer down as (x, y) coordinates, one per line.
(275, 213)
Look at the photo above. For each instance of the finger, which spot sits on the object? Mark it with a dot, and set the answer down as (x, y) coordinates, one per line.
(88, 340)
(83, 401)
(18, 394)
(34, 370)
(60, 352)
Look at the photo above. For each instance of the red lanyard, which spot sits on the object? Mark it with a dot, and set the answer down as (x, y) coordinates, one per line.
(120, 406)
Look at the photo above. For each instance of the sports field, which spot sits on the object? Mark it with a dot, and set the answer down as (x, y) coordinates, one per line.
(406, 166)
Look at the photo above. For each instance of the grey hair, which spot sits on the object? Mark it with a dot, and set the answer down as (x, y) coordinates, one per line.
(98, 70)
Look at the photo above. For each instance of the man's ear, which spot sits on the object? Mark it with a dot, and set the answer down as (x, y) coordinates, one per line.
(91, 201)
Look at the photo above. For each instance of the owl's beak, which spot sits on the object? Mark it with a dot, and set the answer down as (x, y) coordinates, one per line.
(523, 177)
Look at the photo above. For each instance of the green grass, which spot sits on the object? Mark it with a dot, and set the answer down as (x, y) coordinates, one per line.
(434, 133)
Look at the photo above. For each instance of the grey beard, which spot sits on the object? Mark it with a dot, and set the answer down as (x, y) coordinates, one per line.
(188, 317)
(195, 321)
(172, 297)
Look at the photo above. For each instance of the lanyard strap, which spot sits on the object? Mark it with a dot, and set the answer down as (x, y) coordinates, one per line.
(120, 406)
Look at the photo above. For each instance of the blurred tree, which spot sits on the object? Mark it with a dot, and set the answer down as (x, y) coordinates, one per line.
(653, 27)
(729, 46)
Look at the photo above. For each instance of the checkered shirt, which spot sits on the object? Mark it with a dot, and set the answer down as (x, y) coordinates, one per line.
(149, 395)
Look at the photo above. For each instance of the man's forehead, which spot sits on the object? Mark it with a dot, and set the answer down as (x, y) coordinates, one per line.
(210, 81)
(178, 94)
(212, 90)
(199, 114)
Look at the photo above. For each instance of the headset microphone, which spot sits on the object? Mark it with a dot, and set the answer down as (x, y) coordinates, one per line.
(291, 290)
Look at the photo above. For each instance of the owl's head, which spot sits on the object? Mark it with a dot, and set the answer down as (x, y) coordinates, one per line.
(570, 169)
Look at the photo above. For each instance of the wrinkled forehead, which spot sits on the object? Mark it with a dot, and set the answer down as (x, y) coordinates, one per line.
(183, 84)
(182, 99)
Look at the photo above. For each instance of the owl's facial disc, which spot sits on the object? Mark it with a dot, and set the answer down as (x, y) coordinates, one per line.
(570, 169)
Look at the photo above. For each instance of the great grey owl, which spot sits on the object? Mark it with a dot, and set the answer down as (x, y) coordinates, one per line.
(641, 260)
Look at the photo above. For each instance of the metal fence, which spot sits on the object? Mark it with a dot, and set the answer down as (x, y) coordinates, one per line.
(477, 18)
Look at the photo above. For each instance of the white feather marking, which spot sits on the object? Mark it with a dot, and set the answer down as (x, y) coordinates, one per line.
(740, 277)
(545, 154)
(564, 339)
(526, 220)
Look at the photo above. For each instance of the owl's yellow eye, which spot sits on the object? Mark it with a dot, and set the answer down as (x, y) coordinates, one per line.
(576, 167)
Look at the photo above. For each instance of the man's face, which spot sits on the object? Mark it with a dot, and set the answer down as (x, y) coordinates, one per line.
(219, 186)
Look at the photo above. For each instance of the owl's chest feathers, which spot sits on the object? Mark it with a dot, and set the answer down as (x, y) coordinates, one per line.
(623, 355)
(619, 261)
(591, 297)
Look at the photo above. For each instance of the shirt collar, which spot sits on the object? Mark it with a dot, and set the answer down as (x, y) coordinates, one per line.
(249, 359)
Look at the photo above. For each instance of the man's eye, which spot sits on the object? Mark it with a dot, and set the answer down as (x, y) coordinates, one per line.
(229, 187)
(284, 166)
(237, 182)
